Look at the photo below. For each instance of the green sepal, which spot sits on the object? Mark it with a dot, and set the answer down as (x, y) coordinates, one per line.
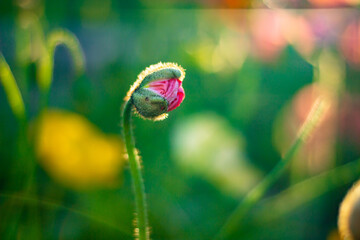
(148, 104)
(166, 73)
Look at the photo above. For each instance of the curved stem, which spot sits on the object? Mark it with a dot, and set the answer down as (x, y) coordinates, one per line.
(255, 194)
(140, 200)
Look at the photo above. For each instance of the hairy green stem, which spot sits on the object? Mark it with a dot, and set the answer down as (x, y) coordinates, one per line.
(141, 230)
(255, 194)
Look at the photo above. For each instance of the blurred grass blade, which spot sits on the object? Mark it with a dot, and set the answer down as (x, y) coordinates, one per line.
(46, 63)
(307, 190)
(11, 89)
(312, 121)
(62, 36)
(50, 204)
(29, 38)
(45, 69)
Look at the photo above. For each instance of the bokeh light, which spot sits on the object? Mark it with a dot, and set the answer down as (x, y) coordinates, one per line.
(205, 145)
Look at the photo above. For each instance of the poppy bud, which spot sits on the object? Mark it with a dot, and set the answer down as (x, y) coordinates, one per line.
(158, 90)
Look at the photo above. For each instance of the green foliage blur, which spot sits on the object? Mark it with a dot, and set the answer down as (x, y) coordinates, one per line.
(252, 75)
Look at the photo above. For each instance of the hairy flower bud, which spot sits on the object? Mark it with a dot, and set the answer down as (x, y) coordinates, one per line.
(157, 90)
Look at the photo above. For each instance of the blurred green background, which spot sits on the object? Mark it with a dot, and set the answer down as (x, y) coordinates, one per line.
(252, 75)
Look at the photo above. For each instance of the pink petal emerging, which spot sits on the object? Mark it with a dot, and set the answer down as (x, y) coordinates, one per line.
(170, 89)
(177, 100)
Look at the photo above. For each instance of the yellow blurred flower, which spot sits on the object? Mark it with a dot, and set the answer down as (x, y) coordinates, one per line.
(75, 153)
